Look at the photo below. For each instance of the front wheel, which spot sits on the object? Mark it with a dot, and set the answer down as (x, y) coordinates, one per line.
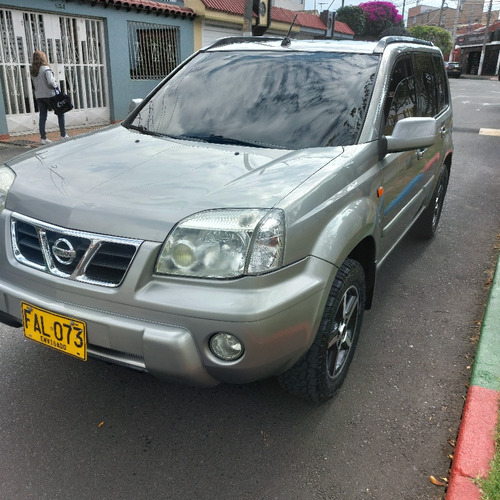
(318, 375)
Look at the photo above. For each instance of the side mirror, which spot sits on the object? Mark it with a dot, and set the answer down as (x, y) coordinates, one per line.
(412, 133)
(133, 104)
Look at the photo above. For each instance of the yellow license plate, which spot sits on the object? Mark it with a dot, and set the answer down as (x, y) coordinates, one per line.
(64, 334)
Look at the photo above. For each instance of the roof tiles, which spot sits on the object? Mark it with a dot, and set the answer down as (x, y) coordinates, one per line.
(229, 6)
(237, 7)
(152, 6)
(278, 14)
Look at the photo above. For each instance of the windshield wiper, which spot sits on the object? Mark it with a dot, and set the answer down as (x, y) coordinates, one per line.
(144, 130)
(220, 139)
(212, 138)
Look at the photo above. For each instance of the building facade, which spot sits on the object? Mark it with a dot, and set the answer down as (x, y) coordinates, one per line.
(221, 18)
(102, 52)
(470, 12)
(470, 49)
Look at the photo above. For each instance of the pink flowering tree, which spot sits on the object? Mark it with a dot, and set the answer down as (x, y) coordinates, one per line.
(380, 16)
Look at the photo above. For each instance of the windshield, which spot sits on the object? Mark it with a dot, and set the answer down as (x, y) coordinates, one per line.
(274, 100)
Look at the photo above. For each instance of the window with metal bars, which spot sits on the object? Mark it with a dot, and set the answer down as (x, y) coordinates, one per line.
(153, 50)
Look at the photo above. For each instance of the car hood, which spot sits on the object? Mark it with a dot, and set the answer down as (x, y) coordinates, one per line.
(123, 183)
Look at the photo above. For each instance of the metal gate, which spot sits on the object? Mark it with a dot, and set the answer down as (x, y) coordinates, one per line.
(75, 50)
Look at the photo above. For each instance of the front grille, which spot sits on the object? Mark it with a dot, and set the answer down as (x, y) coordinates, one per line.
(76, 255)
(111, 262)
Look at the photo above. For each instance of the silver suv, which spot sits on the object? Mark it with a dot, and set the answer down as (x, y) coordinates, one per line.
(231, 228)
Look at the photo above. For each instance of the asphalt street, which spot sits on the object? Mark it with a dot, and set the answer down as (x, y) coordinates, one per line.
(92, 430)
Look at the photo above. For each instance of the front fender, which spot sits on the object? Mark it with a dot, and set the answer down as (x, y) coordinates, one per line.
(346, 230)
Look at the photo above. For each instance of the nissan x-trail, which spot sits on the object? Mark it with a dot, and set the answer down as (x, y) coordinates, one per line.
(232, 227)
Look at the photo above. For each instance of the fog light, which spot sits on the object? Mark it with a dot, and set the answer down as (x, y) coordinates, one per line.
(226, 346)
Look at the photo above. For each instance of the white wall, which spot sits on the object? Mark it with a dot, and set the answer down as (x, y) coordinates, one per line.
(289, 4)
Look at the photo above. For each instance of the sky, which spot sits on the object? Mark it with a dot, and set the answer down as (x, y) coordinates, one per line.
(336, 4)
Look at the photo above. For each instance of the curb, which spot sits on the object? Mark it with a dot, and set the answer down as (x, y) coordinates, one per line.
(476, 438)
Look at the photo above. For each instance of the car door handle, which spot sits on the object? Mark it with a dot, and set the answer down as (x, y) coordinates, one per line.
(443, 131)
(420, 153)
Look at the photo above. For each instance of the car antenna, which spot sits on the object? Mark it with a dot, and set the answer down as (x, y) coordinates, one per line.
(286, 41)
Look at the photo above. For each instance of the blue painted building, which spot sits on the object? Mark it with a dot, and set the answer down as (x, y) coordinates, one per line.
(103, 53)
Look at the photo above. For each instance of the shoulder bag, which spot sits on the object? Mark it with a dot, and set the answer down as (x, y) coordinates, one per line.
(61, 103)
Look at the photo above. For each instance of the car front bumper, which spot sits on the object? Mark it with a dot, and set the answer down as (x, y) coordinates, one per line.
(163, 325)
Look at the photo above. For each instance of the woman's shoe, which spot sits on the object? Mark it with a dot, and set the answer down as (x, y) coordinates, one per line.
(45, 141)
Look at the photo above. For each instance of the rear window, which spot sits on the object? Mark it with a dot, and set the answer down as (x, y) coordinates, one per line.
(292, 101)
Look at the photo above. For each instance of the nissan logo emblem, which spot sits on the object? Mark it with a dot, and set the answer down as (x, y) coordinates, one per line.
(63, 251)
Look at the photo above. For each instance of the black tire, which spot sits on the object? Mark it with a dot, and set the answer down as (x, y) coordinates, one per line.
(318, 375)
(428, 221)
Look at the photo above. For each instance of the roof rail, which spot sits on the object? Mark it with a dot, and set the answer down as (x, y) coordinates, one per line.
(387, 40)
(240, 39)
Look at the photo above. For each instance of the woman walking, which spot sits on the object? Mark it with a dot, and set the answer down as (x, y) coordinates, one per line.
(44, 84)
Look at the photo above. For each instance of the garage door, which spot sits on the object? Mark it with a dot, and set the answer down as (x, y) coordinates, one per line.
(211, 33)
(75, 50)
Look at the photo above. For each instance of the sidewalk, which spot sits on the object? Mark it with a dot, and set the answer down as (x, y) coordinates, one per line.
(33, 140)
(475, 444)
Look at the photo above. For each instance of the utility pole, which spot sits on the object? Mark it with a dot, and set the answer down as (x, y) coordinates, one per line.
(454, 35)
(247, 18)
(441, 14)
(486, 35)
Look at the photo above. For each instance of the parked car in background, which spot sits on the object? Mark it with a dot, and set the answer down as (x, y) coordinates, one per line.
(232, 227)
(453, 69)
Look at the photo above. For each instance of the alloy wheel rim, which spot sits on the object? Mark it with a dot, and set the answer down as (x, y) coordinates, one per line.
(342, 332)
(437, 206)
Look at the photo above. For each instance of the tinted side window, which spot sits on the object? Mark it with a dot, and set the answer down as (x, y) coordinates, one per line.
(441, 87)
(427, 103)
(400, 100)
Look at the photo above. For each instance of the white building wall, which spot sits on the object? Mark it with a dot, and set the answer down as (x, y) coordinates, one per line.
(289, 4)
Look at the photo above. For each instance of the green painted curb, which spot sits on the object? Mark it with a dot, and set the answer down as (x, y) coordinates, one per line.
(486, 371)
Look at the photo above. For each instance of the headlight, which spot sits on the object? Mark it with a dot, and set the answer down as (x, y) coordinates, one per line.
(224, 244)
(7, 177)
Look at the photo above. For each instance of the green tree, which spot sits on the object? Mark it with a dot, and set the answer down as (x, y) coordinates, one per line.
(438, 36)
(354, 17)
